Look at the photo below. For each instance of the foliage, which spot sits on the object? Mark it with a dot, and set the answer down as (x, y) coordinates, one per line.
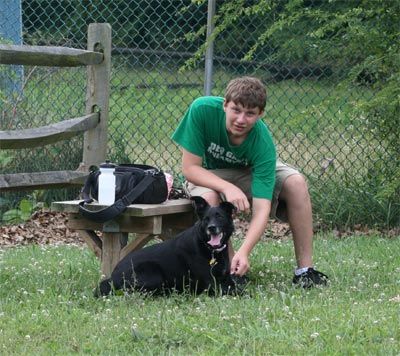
(382, 118)
(340, 33)
(47, 306)
(24, 211)
(5, 158)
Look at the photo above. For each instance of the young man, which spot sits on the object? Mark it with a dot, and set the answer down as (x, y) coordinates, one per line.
(228, 154)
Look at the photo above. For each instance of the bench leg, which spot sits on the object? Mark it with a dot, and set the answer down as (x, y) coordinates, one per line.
(137, 243)
(111, 252)
(92, 240)
(114, 251)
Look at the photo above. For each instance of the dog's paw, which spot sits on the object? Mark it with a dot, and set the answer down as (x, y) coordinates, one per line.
(104, 288)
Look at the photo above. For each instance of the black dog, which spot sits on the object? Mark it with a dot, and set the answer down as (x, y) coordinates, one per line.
(196, 260)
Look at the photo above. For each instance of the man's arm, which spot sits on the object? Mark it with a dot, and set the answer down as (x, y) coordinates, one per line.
(258, 223)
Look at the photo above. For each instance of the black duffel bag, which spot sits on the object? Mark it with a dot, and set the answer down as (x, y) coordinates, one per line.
(134, 184)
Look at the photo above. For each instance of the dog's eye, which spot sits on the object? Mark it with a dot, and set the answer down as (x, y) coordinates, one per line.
(218, 216)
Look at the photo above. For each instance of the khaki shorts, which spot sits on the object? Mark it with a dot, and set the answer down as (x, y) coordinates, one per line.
(242, 179)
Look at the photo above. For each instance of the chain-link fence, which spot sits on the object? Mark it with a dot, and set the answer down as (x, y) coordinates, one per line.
(310, 116)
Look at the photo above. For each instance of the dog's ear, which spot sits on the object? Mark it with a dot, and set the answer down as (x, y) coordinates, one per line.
(200, 204)
(228, 207)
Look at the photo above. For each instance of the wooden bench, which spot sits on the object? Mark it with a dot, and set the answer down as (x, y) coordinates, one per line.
(146, 221)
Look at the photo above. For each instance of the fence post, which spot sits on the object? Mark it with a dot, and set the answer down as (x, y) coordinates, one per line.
(97, 97)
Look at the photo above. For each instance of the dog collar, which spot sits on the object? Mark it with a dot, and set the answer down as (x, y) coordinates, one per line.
(213, 250)
(213, 261)
(220, 249)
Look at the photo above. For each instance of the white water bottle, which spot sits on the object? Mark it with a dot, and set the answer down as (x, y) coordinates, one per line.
(106, 192)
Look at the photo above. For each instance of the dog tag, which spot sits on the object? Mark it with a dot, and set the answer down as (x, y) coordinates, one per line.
(213, 261)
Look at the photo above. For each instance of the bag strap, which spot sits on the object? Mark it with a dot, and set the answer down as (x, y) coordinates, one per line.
(87, 187)
(119, 206)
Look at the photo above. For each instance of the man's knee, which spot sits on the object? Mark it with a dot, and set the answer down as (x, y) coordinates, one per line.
(212, 198)
(294, 184)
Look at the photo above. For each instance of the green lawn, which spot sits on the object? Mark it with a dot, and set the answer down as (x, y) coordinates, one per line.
(46, 306)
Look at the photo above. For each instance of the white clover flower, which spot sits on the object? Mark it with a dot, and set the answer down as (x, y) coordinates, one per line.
(314, 335)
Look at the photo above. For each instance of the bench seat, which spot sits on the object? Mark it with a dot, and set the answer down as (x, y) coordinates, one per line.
(145, 221)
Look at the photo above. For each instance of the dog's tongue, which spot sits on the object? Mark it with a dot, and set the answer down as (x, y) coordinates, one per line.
(215, 240)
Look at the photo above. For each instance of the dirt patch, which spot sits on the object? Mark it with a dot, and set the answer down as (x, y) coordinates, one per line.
(44, 227)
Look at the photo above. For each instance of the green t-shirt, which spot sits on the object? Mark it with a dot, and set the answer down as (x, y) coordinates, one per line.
(202, 132)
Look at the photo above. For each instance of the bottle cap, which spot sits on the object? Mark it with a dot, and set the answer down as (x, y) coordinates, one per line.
(107, 164)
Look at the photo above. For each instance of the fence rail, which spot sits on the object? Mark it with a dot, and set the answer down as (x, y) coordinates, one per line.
(48, 56)
(46, 135)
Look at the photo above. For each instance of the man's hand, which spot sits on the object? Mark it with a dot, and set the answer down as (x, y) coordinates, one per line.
(236, 196)
(259, 220)
(240, 264)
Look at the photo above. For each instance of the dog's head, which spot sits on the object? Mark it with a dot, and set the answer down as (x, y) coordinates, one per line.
(216, 222)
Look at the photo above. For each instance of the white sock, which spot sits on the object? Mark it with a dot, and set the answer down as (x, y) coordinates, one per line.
(299, 271)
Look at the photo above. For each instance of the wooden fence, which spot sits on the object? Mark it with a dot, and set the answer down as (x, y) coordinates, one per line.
(93, 124)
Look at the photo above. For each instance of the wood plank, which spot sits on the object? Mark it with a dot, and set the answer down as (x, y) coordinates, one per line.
(145, 225)
(169, 207)
(48, 56)
(139, 210)
(175, 223)
(137, 243)
(93, 241)
(45, 135)
(41, 180)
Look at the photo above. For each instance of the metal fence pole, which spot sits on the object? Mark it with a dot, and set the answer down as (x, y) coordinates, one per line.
(210, 48)
(11, 30)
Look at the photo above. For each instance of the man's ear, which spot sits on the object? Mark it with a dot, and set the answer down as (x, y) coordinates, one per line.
(200, 205)
(224, 104)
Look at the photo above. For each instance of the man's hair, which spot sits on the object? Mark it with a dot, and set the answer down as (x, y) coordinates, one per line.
(247, 91)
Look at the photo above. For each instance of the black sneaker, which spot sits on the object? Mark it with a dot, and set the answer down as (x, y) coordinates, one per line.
(310, 278)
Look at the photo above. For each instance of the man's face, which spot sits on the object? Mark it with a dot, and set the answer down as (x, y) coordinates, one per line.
(240, 120)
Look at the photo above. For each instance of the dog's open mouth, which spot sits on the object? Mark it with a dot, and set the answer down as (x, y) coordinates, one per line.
(215, 240)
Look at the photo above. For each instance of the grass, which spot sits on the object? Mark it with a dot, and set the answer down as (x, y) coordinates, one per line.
(46, 306)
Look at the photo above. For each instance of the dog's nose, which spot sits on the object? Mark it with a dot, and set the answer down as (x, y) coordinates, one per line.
(212, 229)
